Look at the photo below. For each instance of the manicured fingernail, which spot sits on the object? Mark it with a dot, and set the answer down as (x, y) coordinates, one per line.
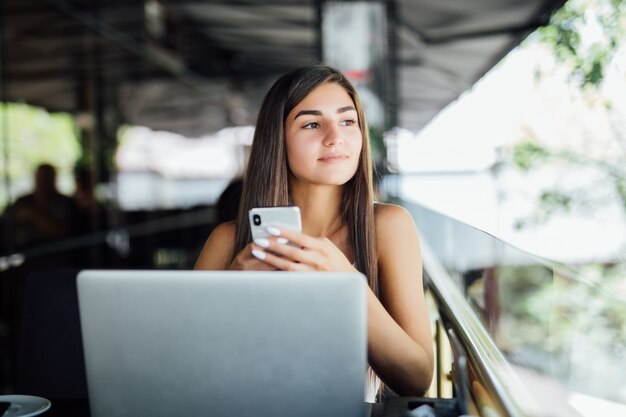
(259, 254)
(281, 240)
(264, 243)
(273, 231)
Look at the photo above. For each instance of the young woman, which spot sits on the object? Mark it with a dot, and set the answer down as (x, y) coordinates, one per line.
(311, 149)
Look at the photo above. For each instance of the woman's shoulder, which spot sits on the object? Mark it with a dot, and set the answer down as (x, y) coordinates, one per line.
(224, 235)
(218, 248)
(391, 215)
(396, 233)
(226, 230)
(392, 222)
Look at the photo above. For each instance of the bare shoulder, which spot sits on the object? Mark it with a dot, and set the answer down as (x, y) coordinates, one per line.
(390, 218)
(217, 250)
(225, 232)
(396, 233)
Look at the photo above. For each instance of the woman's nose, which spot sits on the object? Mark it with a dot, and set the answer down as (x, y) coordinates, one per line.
(333, 136)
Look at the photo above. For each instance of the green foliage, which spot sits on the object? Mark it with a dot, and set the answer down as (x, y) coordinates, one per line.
(527, 300)
(379, 151)
(552, 201)
(564, 36)
(528, 153)
(36, 136)
(542, 311)
(620, 187)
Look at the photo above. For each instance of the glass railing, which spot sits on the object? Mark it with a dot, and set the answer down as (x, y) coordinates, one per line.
(547, 339)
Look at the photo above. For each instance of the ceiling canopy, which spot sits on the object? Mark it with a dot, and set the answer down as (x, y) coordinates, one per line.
(174, 64)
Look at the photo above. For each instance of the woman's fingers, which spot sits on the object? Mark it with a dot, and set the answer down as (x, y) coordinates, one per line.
(281, 247)
(291, 250)
(246, 261)
(314, 259)
(279, 262)
(298, 238)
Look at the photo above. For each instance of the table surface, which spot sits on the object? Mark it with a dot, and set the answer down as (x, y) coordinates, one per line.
(80, 408)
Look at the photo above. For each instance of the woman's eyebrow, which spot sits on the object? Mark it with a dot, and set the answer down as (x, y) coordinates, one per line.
(308, 112)
(319, 113)
(345, 109)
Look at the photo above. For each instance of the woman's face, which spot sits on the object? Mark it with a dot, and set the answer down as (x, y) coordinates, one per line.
(323, 137)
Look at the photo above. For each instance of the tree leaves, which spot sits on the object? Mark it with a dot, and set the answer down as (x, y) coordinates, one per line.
(586, 35)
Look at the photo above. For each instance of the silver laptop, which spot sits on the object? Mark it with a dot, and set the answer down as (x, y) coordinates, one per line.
(245, 344)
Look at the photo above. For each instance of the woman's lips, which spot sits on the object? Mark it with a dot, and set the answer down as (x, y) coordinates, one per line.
(333, 159)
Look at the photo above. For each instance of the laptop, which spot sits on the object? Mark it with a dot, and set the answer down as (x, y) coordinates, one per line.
(224, 343)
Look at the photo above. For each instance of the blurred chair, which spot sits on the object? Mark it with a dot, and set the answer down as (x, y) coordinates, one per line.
(50, 360)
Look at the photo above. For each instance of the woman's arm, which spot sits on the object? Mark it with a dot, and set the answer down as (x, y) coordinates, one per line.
(217, 253)
(217, 250)
(399, 333)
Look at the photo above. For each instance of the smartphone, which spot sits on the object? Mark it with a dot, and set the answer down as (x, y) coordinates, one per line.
(263, 217)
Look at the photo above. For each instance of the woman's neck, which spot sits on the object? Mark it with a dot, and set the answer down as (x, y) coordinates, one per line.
(320, 207)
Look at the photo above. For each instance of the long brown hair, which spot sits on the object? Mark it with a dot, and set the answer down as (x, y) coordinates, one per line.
(266, 181)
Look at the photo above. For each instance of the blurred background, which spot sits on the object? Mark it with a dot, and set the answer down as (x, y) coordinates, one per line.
(125, 126)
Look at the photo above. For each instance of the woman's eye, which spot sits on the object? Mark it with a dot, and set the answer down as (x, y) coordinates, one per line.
(348, 122)
(311, 125)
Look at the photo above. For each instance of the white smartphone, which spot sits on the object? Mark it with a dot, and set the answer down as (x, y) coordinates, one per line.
(263, 217)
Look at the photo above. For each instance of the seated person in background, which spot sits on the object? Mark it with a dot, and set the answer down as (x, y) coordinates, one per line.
(92, 212)
(311, 149)
(45, 214)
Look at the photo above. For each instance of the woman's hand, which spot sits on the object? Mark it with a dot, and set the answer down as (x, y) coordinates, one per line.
(308, 254)
(245, 261)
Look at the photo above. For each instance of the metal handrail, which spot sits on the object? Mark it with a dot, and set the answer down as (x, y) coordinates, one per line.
(485, 357)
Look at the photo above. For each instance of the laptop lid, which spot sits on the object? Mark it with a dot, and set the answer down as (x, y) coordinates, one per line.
(223, 343)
